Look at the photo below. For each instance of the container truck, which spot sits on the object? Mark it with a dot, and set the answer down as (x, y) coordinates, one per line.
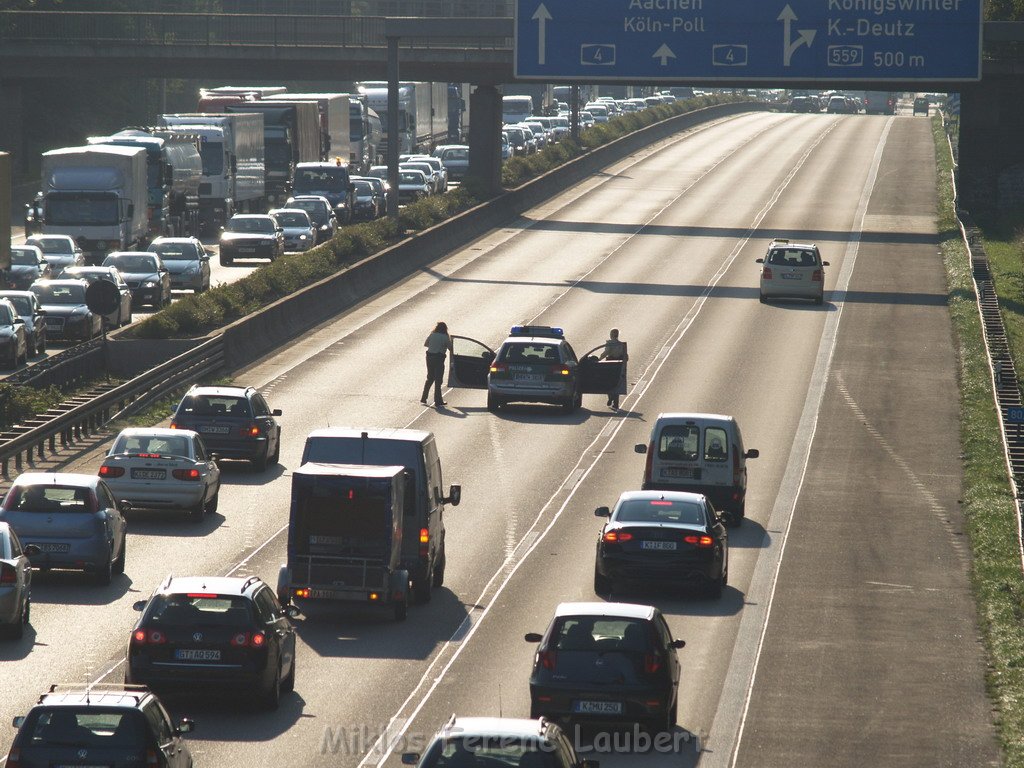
(879, 103)
(334, 122)
(231, 147)
(422, 114)
(362, 153)
(458, 112)
(291, 134)
(96, 195)
(174, 169)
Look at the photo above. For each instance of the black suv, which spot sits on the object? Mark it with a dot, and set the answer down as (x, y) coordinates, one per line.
(216, 633)
(609, 662)
(235, 422)
(100, 724)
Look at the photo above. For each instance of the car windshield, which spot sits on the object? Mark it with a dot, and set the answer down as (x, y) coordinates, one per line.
(600, 634)
(23, 257)
(50, 499)
(503, 751)
(412, 177)
(259, 226)
(89, 275)
(176, 251)
(529, 353)
(793, 257)
(455, 154)
(679, 442)
(659, 511)
(23, 304)
(192, 609)
(52, 245)
(163, 445)
(127, 262)
(363, 188)
(215, 405)
(292, 220)
(90, 727)
(60, 294)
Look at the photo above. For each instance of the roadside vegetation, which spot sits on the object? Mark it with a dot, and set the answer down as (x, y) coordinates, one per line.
(988, 506)
(193, 316)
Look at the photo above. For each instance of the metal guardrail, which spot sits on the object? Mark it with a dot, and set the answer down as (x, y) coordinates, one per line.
(23, 444)
(78, 363)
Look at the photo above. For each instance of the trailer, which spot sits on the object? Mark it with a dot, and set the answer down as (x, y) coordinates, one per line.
(422, 118)
(345, 538)
(335, 140)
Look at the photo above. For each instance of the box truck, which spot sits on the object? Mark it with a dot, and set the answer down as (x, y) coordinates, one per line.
(334, 122)
(422, 114)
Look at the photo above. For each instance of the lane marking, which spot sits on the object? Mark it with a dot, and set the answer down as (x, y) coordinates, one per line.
(730, 719)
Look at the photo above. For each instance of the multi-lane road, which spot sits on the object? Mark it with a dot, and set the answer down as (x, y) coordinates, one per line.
(847, 636)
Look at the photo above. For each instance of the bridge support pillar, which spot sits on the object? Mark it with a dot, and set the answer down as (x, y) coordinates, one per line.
(991, 155)
(485, 138)
(12, 133)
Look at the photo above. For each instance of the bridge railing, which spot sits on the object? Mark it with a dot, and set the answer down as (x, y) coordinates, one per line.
(203, 29)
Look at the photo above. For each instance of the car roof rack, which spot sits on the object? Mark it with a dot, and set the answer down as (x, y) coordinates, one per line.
(130, 689)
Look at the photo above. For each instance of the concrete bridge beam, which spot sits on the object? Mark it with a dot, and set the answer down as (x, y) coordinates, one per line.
(12, 125)
(485, 138)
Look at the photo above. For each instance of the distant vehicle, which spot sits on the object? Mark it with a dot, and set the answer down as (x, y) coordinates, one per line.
(515, 109)
(880, 103)
(802, 104)
(599, 111)
(251, 236)
(792, 270)
(13, 345)
(235, 422)
(838, 105)
(60, 251)
(320, 212)
(73, 520)
(15, 583)
(68, 318)
(27, 265)
(433, 178)
(521, 144)
(606, 662)
(436, 166)
(699, 453)
(535, 364)
(370, 204)
(662, 537)
(187, 262)
(330, 180)
(119, 724)
(146, 275)
(921, 106)
(299, 233)
(455, 158)
(27, 305)
(412, 186)
(422, 114)
(159, 468)
(123, 314)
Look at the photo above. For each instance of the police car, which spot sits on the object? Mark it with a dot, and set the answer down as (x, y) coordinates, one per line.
(535, 364)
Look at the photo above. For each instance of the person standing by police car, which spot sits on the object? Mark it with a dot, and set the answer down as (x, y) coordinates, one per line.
(438, 343)
(614, 349)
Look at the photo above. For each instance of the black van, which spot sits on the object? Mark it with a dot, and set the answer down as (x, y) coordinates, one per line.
(423, 551)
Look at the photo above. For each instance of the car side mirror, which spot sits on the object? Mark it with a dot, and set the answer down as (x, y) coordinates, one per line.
(533, 637)
(602, 512)
(280, 229)
(640, 448)
(759, 261)
(139, 605)
(677, 644)
(126, 506)
(753, 453)
(410, 758)
(825, 264)
(18, 721)
(276, 412)
(31, 550)
(454, 495)
(292, 612)
(41, 311)
(19, 321)
(185, 726)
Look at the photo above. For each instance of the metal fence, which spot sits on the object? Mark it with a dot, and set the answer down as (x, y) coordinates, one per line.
(435, 8)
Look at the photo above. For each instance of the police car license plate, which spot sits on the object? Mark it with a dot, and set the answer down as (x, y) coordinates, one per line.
(658, 545)
(149, 474)
(597, 707)
(527, 377)
(247, 250)
(189, 654)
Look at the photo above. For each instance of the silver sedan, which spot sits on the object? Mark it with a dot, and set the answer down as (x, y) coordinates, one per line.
(15, 582)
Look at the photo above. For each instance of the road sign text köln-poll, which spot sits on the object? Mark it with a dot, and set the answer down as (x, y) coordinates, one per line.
(771, 40)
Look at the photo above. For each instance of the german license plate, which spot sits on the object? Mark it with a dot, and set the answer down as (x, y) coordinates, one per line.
(149, 474)
(527, 377)
(211, 429)
(792, 277)
(189, 654)
(597, 707)
(54, 547)
(328, 594)
(676, 472)
(247, 250)
(662, 545)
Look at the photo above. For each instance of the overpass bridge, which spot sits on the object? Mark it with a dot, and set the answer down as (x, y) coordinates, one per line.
(440, 40)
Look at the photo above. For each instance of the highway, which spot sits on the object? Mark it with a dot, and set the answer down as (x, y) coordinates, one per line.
(847, 636)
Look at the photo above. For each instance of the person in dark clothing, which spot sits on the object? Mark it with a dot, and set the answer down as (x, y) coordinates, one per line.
(438, 343)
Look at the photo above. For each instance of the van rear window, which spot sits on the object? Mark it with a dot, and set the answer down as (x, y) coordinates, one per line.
(679, 442)
(89, 728)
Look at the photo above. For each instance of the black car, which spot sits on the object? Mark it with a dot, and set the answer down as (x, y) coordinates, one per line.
(214, 634)
(27, 305)
(146, 275)
(67, 315)
(251, 236)
(368, 204)
(13, 346)
(99, 724)
(235, 423)
(663, 537)
(320, 213)
(27, 266)
(611, 662)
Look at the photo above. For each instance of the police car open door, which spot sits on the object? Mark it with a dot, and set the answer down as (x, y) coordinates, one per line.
(471, 362)
(598, 377)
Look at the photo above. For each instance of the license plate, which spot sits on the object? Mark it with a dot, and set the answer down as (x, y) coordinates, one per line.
(676, 472)
(792, 277)
(247, 250)
(210, 429)
(658, 545)
(329, 594)
(598, 707)
(54, 547)
(185, 654)
(527, 377)
(149, 474)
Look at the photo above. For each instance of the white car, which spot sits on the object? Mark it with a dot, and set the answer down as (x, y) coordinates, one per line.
(60, 250)
(792, 271)
(159, 468)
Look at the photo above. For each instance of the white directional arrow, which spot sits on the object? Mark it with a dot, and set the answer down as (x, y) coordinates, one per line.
(542, 16)
(664, 53)
(789, 45)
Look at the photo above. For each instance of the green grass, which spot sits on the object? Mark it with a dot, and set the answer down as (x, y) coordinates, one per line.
(989, 513)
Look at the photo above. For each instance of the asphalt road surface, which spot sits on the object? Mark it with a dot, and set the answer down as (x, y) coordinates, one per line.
(847, 634)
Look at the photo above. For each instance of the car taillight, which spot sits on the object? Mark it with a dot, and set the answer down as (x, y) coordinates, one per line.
(257, 640)
(106, 471)
(186, 474)
(766, 273)
(498, 368)
(143, 636)
(8, 574)
(424, 542)
(617, 536)
(816, 276)
(546, 659)
(652, 662)
(560, 370)
(174, 425)
(253, 430)
(702, 542)
(240, 640)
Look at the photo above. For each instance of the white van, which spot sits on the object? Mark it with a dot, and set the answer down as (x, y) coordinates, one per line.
(516, 109)
(700, 453)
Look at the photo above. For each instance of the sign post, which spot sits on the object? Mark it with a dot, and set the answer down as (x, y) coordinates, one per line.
(748, 40)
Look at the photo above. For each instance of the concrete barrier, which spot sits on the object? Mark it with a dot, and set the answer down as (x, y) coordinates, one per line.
(251, 337)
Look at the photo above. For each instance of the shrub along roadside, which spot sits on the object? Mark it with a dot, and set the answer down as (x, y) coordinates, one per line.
(199, 314)
(988, 507)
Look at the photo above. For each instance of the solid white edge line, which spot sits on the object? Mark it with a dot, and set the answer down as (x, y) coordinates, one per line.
(737, 691)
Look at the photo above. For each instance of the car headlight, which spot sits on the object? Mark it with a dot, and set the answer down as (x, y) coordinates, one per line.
(324, 228)
(149, 284)
(303, 237)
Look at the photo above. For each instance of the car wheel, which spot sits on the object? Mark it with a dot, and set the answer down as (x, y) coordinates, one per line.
(421, 589)
(493, 403)
(129, 320)
(198, 512)
(213, 503)
(41, 345)
(288, 684)
(276, 457)
(105, 574)
(717, 587)
(17, 630)
(439, 571)
(569, 405)
(24, 357)
(819, 300)
(763, 299)
(402, 608)
(225, 261)
(272, 696)
(259, 464)
(602, 584)
(119, 563)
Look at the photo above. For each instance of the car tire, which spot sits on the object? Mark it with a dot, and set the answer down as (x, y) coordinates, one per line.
(494, 403)
(276, 457)
(41, 345)
(213, 503)
(197, 513)
(288, 684)
(819, 300)
(602, 584)
(763, 299)
(402, 609)
(717, 586)
(129, 320)
(24, 357)
(118, 566)
(105, 574)
(259, 464)
(421, 589)
(569, 405)
(17, 630)
(438, 577)
(271, 697)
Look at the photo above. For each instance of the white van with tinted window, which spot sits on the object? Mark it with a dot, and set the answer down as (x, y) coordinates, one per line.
(699, 453)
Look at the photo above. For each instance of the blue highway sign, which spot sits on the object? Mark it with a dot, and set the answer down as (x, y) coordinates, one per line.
(772, 40)
(1015, 415)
